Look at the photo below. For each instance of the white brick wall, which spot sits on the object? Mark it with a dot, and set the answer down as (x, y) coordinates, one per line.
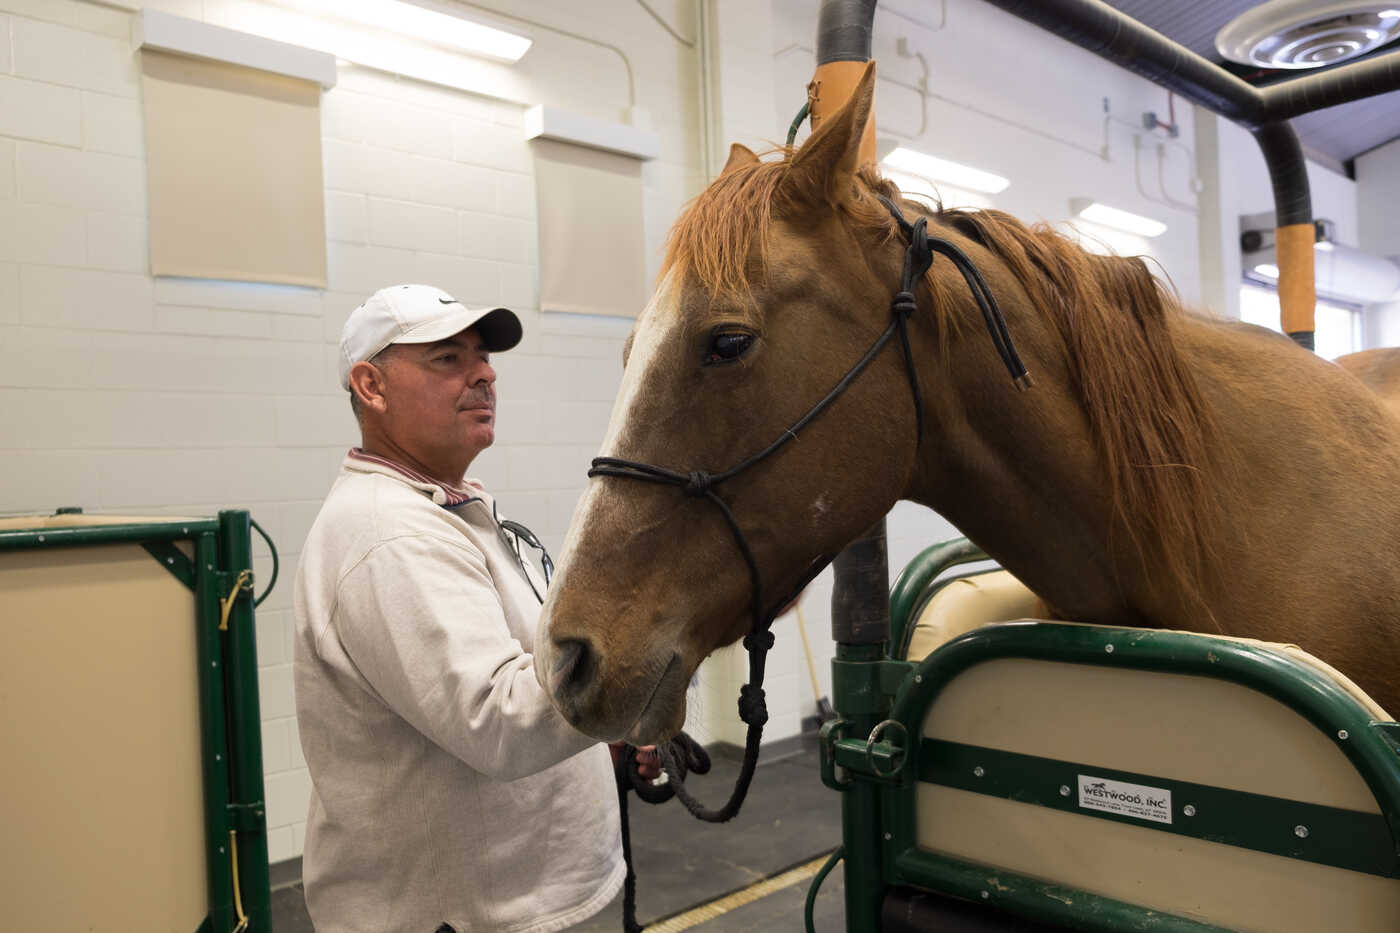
(123, 393)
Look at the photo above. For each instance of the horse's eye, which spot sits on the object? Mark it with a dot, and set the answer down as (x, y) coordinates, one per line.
(727, 347)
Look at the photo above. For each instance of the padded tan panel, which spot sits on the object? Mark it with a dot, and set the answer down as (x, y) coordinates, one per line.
(101, 801)
(968, 603)
(1169, 725)
(592, 243)
(997, 596)
(233, 162)
(25, 522)
(1236, 888)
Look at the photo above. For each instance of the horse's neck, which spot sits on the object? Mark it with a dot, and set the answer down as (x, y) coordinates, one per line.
(1017, 471)
(1020, 473)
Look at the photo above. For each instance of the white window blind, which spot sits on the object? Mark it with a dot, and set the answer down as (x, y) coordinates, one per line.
(234, 172)
(592, 245)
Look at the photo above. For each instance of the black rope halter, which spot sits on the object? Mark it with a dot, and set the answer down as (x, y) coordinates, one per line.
(753, 709)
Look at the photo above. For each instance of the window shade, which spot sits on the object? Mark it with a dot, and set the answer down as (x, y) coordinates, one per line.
(592, 247)
(234, 172)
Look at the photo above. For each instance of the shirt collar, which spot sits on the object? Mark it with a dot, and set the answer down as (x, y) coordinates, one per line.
(442, 493)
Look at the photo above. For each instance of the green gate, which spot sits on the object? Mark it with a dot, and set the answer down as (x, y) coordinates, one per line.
(128, 674)
(955, 782)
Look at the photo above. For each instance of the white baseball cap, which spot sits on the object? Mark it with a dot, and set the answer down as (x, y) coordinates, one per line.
(418, 314)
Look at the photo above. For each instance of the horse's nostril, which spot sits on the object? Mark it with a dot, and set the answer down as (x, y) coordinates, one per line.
(573, 663)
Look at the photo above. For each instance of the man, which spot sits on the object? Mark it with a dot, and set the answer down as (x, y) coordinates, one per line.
(448, 795)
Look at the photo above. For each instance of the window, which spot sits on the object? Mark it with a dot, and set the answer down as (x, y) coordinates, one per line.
(1338, 328)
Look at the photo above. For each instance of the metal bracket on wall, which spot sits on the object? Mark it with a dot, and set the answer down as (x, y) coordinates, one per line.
(173, 559)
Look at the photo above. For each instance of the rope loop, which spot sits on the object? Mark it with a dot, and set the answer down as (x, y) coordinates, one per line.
(760, 640)
(697, 483)
(904, 304)
(753, 708)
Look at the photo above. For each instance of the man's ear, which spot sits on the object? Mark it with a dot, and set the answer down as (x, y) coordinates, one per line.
(367, 382)
(824, 168)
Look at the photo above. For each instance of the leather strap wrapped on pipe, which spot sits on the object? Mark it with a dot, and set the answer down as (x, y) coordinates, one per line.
(1297, 289)
(831, 87)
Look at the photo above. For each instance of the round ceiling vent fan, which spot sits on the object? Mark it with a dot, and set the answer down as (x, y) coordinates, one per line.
(1306, 33)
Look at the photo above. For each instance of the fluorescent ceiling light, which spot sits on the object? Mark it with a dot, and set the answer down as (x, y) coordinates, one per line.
(960, 176)
(407, 19)
(1106, 216)
(1267, 269)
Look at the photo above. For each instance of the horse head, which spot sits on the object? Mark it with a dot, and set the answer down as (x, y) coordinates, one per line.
(767, 298)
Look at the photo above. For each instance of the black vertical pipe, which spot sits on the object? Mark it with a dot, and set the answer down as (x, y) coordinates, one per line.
(861, 590)
(860, 598)
(860, 602)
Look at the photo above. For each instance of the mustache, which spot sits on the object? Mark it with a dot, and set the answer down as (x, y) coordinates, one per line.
(479, 398)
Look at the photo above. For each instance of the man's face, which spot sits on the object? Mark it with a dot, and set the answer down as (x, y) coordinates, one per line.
(441, 397)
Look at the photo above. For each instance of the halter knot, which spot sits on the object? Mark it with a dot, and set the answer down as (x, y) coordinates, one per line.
(697, 483)
(904, 303)
(758, 640)
(753, 709)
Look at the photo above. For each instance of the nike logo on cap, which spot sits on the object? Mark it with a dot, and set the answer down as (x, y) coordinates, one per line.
(447, 301)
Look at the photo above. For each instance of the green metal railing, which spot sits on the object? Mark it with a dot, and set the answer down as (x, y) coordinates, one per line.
(230, 725)
(875, 751)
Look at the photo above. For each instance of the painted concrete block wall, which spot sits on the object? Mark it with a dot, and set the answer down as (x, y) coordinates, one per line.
(121, 392)
(1378, 177)
(1378, 231)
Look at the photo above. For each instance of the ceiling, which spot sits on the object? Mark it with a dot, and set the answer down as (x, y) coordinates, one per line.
(1333, 136)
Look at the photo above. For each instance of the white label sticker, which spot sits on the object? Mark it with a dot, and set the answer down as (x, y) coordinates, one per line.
(1135, 800)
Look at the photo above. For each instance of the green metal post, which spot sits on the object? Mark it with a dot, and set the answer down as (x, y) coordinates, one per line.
(214, 740)
(245, 726)
(860, 804)
(860, 613)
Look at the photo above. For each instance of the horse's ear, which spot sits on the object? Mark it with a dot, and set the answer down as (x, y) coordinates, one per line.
(825, 166)
(739, 155)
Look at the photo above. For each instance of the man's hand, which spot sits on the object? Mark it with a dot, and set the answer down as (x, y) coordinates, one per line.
(648, 760)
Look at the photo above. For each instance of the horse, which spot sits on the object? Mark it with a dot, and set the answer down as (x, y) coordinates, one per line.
(1378, 370)
(1166, 469)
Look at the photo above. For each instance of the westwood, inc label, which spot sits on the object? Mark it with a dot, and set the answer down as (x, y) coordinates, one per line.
(1135, 800)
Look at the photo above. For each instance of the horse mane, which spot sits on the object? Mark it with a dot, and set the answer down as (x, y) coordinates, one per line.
(1149, 421)
(1146, 414)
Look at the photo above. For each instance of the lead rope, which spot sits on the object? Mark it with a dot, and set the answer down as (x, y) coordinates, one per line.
(753, 708)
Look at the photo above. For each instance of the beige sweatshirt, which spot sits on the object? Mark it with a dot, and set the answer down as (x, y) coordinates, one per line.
(446, 789)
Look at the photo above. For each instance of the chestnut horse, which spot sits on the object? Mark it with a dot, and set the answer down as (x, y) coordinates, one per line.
(1165, 469)
(1379, 370)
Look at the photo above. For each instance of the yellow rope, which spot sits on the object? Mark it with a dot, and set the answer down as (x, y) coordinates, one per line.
(237, 895)
(245, 578)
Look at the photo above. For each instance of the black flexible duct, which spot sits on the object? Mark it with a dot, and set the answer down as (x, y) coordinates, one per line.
(843, 31)
(1287, 171)
(1097, 27)
(1100, 29)
(1341, 84)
